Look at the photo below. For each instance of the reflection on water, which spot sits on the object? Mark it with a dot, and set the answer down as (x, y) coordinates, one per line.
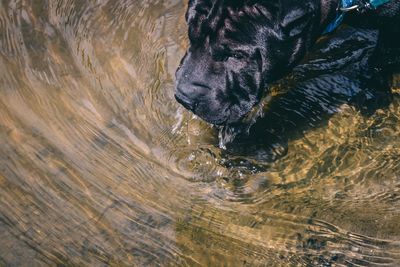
(99, 165)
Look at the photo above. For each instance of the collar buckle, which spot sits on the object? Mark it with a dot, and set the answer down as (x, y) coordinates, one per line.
(361, 6)
(350, 8)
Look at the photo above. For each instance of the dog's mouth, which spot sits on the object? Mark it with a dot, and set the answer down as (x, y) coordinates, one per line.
(224, 114)
(185, 102)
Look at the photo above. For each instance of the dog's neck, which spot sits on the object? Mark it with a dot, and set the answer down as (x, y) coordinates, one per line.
(328, 11)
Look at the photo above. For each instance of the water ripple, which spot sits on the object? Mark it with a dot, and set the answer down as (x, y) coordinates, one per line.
(100, 166)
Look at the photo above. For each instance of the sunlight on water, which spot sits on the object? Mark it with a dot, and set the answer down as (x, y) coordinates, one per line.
(100, 165)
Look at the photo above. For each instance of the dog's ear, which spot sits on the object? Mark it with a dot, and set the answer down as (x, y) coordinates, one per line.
(196, 16)
(198, 8)
(296, 21)
(191, 10)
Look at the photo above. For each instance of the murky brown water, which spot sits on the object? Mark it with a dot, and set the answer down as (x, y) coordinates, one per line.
(100, 166)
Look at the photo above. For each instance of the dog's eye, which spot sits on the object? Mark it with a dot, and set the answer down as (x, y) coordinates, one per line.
(237, 55)
(220, 56)
(223, 55)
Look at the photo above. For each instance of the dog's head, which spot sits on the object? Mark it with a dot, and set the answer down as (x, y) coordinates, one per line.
(236, 49)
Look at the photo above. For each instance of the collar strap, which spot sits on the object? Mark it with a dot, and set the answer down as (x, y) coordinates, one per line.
(350, 5)
(374, 4)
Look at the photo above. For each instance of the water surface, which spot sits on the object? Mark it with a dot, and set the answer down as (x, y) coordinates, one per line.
(100, 166)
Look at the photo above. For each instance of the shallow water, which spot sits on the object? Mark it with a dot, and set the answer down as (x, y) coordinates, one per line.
(100, 166)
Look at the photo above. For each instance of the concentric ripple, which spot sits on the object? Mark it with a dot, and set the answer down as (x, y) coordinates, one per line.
(100, 166)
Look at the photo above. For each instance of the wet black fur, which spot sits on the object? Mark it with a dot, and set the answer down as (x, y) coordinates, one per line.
(238, 47)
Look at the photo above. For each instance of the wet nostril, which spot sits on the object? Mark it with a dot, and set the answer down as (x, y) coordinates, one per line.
(184, 101)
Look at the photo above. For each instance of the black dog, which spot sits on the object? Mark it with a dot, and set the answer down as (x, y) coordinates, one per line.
(238, 47)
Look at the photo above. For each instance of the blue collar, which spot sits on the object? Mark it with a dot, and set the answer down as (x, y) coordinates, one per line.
(349, 5)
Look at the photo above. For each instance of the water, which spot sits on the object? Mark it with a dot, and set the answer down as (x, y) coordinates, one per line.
(100, 166)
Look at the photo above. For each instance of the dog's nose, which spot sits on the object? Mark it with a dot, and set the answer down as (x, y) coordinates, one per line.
(184, 101)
